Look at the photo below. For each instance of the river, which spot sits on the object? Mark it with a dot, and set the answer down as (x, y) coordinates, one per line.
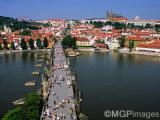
(113, 81)
(107, 81)
(15, 70)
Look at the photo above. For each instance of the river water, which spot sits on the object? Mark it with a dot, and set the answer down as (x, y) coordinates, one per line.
(15, 70)
(107, 81)
(113, 81)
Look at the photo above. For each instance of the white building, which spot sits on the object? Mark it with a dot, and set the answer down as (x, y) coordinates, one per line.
(106, 28)
(112, 43)
(7, 29)
(93, 20)
(144, 22)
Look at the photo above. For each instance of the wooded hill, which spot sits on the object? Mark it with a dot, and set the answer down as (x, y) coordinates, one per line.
(16, 24)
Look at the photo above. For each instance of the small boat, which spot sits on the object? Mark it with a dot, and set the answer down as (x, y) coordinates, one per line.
(31, 83)
(20, 101)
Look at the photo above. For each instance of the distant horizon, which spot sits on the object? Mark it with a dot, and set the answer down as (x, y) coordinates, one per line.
(71, 18)
(78, 10)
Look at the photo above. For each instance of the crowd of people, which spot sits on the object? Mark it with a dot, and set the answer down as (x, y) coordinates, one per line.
(60, 101)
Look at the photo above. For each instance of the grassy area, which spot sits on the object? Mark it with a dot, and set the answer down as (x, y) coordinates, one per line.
(31, 110)
(14, 114)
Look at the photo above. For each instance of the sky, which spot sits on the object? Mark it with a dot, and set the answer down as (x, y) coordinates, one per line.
(79, 9)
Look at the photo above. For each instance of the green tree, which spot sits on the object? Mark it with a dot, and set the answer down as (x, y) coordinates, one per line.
(69, 42)
(91, 22)
(140, 27)
(1, 48)
(119, 25)
(122, 41)
(68, 26)
(12, 46)
(157, 28)
(47, 24)
(31, 43)
(39, 44)
(34, 27)
(108, 23)
(131, 45)
(86, 22)
(45, 43)
(33, 106)
(98, 24)
(100, 41)
(15, 114)
(148, 25)
(131, 25)
(26, 33)
(23, 44)
(5, 43)
(31, 110)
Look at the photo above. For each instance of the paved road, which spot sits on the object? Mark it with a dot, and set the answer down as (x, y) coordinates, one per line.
(60, 104)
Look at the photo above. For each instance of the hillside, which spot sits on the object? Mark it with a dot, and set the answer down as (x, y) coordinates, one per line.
(15, 24)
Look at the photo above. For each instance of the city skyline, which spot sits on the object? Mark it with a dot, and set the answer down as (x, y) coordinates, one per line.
(40, 9)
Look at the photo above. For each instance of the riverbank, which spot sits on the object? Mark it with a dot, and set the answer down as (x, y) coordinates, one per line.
(3, 52)
(92, 50)
(141, 53)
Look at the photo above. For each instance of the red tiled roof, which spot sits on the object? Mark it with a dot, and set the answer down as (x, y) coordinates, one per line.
(142, 33)
(136, 38)
(154, 44)
(119, 19)
(26, 37)
(48, 34)
(35, 32)
(16, 37)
